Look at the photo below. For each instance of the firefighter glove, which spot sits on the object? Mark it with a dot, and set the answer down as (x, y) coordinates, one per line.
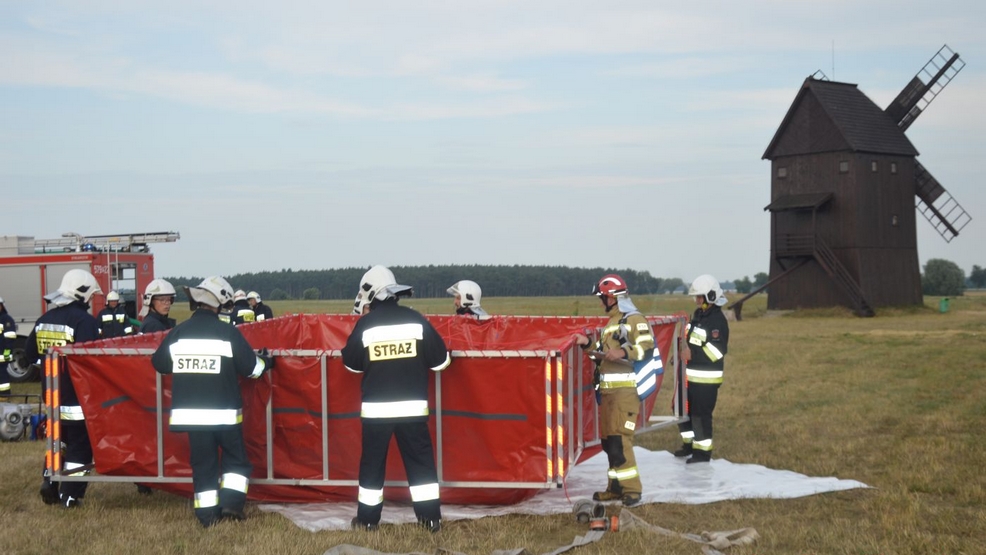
(268, 358)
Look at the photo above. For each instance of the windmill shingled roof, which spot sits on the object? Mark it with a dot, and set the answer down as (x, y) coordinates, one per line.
(865, 126)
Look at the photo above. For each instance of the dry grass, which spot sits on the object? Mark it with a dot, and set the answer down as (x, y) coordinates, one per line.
(897, 401)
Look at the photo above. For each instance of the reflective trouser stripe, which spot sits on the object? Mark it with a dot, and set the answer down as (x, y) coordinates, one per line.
(704, 376)
(424, 492)
(206, 499)
(236, 482)
(71, 412)
(4, 387)
(371, 497)
(687, 437)
(71, 466)
(396, 409)
(703, 445)
(625, 474)
(205, 417)
(10, 334)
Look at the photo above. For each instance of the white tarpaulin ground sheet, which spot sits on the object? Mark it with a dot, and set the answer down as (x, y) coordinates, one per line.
(666, 479)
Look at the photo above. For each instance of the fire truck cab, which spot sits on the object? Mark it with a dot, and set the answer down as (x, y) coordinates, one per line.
(30, 268)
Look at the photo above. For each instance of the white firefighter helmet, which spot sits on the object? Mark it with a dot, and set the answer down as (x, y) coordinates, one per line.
(378, 283)
(708, 287)
(254, 295)
(156, 288)
(469, 292)
(213, 291)
(239, 295)
(77, 285)
(1, 300)
(112, 296)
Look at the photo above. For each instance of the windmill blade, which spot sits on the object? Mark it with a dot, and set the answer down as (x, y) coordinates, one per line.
(937, 205)
(924, 87)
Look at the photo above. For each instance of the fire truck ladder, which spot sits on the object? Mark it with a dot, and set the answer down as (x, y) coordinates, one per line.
(125, 242)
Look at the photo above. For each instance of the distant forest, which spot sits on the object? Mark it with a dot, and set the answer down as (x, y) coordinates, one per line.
(433, 281)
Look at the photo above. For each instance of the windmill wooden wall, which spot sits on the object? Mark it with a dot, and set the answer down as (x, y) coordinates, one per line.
(869, 224)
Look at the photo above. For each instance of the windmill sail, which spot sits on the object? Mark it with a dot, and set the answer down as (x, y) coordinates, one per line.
(924, 87)
(944, 213)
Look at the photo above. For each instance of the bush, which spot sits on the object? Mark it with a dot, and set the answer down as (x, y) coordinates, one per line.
(279, 294)
(311, 294)
(942, 278)
(978, 277)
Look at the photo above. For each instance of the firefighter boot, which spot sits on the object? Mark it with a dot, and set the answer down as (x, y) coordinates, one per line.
(699, 457)
(613, 493)
(232, 514)
(630, 499)
(685, 451)
(357, 524)
(49, 492)
(432, 525)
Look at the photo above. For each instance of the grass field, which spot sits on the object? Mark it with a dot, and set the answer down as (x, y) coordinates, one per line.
(897, 402)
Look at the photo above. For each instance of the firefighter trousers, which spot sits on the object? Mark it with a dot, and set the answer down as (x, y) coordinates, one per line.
(617, 422)
(77, 453)
(414, 443)
(697, 431)
(220, 482)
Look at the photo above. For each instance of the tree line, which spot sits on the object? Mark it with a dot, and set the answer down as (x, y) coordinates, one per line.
(433, 281)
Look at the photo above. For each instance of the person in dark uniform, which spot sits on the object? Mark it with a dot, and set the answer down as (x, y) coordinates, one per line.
(113, 320)
(262, 311)
(206, 357)
(159, 295)
(8, 338)
(242, 312)
(68, 321)
(467, 298)
(707, 338)
(395, 348)
(626, 338)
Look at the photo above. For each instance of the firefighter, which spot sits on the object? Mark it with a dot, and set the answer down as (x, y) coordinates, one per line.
(113, 320)
(159, 295)
(707, 338)
(8, 336)
(626, 338)
(67, 321)
(467, 297)
(395, 348)
(206, 358)
(242, 312)
(262, 311)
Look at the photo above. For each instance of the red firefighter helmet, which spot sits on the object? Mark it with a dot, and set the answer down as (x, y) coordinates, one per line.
(611, 285)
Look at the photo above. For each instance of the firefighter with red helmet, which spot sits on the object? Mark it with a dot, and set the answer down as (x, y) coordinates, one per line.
(626, 338)
(707, 338)
(67, 322)
(206, 358)
(395, 349)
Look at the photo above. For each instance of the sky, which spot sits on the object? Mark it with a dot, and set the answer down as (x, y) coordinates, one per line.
(320, 134)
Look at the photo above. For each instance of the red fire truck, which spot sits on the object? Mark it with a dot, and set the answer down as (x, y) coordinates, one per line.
(30, 268)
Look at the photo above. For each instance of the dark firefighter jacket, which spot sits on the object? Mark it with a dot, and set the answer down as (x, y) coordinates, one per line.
(394, 347)
(708, 337)
(206, 357)
(60, 326)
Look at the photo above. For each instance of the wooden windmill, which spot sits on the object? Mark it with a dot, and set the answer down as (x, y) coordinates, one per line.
(844, 177)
